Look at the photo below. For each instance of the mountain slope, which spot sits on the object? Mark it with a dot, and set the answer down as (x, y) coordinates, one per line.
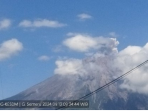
(72, 87)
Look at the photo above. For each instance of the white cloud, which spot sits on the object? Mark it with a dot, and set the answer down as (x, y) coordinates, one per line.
(44, 58)
(68, 66)
(85, 43)
(41, 23)
(4, 24)
(84, 16)
(80, 43)
(131, 50)
(9, 48)
(129, 58)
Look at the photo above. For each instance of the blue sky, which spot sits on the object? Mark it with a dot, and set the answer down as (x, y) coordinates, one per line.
(125, 19)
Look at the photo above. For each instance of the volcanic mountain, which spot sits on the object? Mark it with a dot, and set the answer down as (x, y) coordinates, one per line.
(98, 72)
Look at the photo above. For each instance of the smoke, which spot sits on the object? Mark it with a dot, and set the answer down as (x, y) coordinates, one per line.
(107, 61)
(68, 66)
(87, 44)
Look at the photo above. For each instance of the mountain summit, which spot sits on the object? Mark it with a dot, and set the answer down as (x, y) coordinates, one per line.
(98, 72)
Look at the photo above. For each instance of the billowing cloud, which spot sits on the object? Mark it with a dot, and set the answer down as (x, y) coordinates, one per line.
(44, 58)
(84, 16)
(85, 43)
(9, 48)
(41, 23)
(107, 61)
(5, 23)
(129, 58)
(68, 66)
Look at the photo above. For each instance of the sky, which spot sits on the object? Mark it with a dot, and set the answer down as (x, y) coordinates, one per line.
(34, 34)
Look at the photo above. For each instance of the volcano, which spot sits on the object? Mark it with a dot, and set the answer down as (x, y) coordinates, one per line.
(75, 86)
